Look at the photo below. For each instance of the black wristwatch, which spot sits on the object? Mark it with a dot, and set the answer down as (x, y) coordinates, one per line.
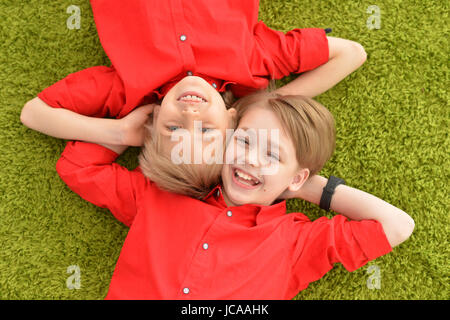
(328, 191)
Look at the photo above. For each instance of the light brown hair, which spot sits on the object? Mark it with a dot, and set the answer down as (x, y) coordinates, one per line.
(307, 122)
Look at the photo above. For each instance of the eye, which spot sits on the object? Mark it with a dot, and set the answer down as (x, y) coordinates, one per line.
(173, 128)
(243, 140)
(274, 156)
(205, 130)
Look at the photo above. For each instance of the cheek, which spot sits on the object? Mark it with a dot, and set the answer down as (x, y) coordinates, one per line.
(159, 114)
(276, 182)
(234, 152)
(166, 148)
(226, 176)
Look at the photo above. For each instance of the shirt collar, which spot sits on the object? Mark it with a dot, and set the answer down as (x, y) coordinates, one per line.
(249, 214)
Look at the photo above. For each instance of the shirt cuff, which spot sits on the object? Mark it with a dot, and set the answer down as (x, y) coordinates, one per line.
(54, 103)
(87, 154)
(314, 49)
(372, 240)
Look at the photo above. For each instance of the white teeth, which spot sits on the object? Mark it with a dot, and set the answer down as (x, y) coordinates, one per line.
(245, 176)
(194, 98)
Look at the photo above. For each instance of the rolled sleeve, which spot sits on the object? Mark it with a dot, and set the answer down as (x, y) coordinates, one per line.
(314, 49)
(89, 170)
(322, 243)
(295, 51)
(371, 238)
(96, 91)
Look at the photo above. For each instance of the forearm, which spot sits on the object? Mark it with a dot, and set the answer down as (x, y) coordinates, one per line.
(345, 56)
(359, 205)
(66, 124)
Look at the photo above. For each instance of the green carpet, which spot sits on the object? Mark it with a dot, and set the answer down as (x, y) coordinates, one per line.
(392, 120)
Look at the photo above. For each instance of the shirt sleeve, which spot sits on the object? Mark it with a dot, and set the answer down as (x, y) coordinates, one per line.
(296, 51)
(90, 171)
(323, 242)
(96, 91)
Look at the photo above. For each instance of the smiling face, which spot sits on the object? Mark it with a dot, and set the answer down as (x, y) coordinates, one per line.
(192, 99)
(248, 175)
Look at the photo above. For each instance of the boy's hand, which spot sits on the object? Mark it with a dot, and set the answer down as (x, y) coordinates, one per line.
(132, 125)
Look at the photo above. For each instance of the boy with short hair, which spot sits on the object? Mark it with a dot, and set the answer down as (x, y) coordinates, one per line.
(237, 242)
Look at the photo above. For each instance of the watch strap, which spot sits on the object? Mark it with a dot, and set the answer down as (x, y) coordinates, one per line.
(328, 192)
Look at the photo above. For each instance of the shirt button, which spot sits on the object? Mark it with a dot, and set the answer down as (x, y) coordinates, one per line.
(229, 213)
(214, 85)
(189, 73)
(205, 246)
(186, 290)
(183, 37)
(218, 193)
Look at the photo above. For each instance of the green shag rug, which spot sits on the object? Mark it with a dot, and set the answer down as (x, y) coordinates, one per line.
(392, 119)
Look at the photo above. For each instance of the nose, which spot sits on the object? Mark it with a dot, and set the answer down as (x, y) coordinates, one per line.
(257, 159)
(253, 158)
(190, 109)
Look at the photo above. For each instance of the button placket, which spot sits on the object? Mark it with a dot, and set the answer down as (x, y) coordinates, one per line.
(201, 264)
(183, 33)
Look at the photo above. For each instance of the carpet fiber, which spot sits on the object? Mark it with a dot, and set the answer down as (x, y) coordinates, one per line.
(392, 119)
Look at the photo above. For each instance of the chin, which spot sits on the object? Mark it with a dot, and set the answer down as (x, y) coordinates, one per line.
(240, 197)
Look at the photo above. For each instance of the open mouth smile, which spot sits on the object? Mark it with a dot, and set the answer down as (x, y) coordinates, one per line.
(192, 97)
(244, 179)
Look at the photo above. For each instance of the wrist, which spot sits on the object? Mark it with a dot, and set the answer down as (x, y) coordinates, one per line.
(328, 191)
(120, 132)
(108, 131)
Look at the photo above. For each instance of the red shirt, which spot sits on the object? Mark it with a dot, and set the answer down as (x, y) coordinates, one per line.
(182, 248)
(152, 44)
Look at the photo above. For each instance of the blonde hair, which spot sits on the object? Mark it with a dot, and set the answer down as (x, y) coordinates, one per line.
(308, 123)
(193, 180)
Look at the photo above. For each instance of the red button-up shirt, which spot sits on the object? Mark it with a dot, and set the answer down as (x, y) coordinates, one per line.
(182, 248)
(152, 44)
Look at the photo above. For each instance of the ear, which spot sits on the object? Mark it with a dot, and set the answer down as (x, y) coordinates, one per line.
(298, 180)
